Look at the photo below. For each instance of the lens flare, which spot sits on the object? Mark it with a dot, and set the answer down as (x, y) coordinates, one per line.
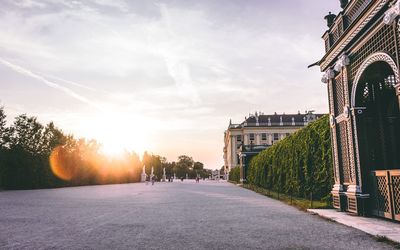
(59, 165)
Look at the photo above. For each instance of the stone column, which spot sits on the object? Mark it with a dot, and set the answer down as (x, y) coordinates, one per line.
(234, 158)
(164, 177)
(143, 175)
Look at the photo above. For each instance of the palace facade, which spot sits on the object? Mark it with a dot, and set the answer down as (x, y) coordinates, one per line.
(256, 133)
(361, 70)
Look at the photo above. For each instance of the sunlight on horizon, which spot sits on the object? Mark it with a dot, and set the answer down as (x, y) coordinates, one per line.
(119, 132)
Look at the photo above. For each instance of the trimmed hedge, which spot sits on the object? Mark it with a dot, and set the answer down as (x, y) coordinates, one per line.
(234, 174)
(299, 165)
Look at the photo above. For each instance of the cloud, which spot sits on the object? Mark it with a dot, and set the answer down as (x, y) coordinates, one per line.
(29, 4)
(173, 51)
(176, 65)
(51, 84)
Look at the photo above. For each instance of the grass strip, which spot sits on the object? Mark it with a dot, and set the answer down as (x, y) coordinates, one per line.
(301, 203)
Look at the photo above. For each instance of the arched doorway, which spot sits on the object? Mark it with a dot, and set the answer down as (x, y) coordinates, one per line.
(378, 132)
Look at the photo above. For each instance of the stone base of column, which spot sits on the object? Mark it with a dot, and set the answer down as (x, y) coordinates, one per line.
(357, 202)
(339, 200)
(143, 177)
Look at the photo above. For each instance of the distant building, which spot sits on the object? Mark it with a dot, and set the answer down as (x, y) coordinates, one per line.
(215, 175)
(257, 132)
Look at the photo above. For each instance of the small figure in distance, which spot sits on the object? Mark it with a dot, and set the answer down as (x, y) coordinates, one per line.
(153, 180)
(147, 179)
(182, 179)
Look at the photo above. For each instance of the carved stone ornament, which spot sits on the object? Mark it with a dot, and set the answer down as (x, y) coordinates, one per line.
(397, 86)
(329, 74)
(346, 111)
(332, 120)
(392, 13)
(343, 61)
(398, 25)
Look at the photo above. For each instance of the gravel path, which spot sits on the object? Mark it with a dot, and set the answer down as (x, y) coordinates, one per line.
(177, 215)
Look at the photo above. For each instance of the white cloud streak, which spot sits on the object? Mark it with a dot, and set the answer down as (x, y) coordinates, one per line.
(51, 84)
(175, 65)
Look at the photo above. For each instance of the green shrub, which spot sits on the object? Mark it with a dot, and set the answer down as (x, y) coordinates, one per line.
(300, 164)
(234, 174)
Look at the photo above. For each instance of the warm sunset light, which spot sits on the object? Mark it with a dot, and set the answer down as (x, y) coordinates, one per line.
(119, 132)
(59, 164)
(199, 124)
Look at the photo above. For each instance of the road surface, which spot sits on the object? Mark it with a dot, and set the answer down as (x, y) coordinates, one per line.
(208, 215)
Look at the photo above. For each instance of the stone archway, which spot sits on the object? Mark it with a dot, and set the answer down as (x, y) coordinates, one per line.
(376, 57)
(377, 128)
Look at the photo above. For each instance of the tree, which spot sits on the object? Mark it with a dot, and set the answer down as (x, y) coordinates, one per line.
(183, 166)
(198, 166)
(2, 143)
(2, 127)
(36, 156)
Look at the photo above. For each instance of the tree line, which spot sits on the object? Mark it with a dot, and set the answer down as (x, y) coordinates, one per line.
(299, 165)
(33, 155)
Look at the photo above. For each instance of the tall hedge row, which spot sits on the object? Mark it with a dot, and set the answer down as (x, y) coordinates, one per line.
(299, 165)
(234, 174)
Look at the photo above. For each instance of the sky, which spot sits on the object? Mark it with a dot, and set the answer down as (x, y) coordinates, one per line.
(162, 76)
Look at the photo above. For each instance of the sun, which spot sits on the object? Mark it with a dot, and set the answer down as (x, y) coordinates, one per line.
(112, 149)
(117, 142)
(120, 133)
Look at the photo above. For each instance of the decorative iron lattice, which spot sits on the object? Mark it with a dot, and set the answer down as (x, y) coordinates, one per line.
(336, 201)
(383, 40)
(344, 151)
(358, 7)
(327, 45)
(365, 93)
(390, 81)
(352, 204)
(396, 193)
(340, 28)
(335, 35)
(338, 95)
(382, 195)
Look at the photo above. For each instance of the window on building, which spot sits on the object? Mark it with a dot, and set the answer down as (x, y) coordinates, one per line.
(251, 137)
(264, 136)
(238, 138)
(276, 136)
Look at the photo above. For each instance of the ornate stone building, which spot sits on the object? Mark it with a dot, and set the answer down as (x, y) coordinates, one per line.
(258, 132)
(362, 75)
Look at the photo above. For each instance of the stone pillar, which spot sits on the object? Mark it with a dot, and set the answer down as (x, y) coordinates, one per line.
(233, 151)
(152, 173)
(143, 175)
(164, 177)
(397, 87)
(242, 170)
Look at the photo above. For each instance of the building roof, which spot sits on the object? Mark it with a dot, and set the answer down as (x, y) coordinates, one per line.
(277, 120)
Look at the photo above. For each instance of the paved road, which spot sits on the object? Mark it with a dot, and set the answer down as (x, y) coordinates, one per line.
(177, 215)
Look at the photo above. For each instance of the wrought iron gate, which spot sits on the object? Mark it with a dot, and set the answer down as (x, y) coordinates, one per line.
(387, 194)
